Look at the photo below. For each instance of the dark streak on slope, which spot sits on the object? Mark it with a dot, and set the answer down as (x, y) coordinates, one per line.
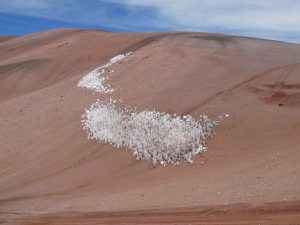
(5, 38)
(222, 40)
(234, 87)
(19, 65)
(144, 42)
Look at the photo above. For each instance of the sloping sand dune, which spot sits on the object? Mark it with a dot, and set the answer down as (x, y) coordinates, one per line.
(50, 173)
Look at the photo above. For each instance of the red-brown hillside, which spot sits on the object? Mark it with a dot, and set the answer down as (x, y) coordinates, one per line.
(48, 167)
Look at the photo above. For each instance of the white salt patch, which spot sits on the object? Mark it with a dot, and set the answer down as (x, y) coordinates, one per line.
(152, 136)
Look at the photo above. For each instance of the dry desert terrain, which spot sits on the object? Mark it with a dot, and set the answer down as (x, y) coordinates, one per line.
(50, 173)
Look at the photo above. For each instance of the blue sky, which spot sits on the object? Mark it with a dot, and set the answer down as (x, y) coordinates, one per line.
(270, 19)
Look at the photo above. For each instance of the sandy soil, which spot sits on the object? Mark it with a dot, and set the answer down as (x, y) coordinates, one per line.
(51, 174)
(275, 213)
(5, 38)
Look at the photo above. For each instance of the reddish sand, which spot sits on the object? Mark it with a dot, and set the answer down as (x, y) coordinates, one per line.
(5, 38)
(50, 173)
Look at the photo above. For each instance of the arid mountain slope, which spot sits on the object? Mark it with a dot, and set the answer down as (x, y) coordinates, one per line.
(47, 164)
(5, 38)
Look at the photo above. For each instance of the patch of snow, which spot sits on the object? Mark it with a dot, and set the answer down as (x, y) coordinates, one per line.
(153, 136)
(156, 137)
(96, 80)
